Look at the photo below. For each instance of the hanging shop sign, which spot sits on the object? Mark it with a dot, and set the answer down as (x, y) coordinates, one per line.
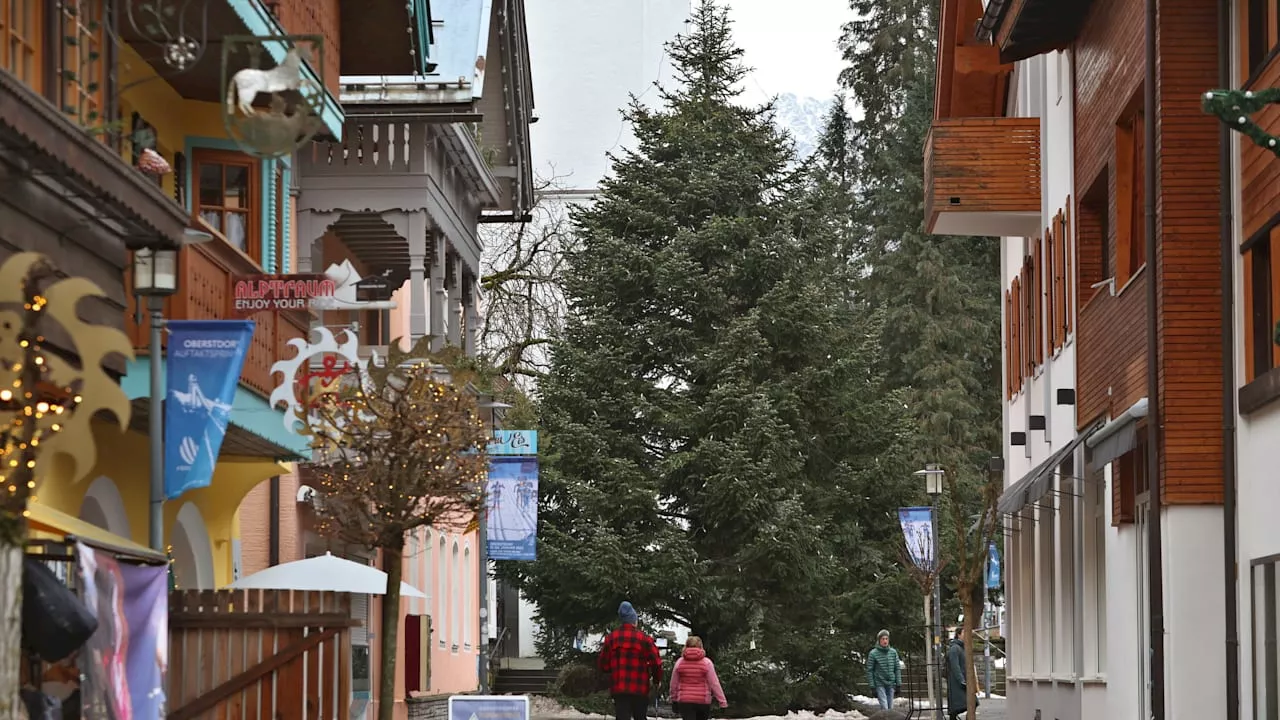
(514, 442)
(251, 294)
(280, 70)
(375, 288)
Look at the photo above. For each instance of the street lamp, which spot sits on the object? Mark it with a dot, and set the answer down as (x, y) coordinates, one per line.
(155, 277)
(934, 476)
(482, 530)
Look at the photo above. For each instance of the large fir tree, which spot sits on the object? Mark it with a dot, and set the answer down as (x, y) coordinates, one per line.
(719, 444)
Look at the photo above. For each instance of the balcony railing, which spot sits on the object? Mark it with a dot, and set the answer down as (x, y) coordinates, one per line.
(204, 293)
(982, 177)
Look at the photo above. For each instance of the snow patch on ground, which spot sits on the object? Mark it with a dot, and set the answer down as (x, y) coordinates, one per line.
(545, 707)
(807, 715)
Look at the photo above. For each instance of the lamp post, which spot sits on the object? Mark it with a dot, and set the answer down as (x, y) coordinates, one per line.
(933, 483)
(482, 531)
(155, 277)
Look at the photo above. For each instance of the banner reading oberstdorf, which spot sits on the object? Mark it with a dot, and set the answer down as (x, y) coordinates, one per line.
(205, 359)
(917, 532)
(511, 510)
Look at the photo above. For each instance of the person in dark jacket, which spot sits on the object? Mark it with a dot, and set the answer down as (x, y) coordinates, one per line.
(634, 665)
(884, 672)
(957, 678)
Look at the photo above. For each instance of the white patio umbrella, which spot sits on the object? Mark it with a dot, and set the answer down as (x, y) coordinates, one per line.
(323, 573)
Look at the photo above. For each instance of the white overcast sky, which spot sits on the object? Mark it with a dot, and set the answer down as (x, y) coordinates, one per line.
(789, 49)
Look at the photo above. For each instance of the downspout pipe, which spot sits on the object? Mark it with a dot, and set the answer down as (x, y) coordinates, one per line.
(1230, 560)
(1155, 557)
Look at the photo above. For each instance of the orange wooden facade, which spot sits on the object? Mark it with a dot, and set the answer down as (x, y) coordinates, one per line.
(1110, 154)
(204, 293)
(989, 164)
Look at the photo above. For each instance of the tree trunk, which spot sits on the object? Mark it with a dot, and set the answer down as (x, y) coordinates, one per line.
(971, 614)
(10, 631)
(393, 566)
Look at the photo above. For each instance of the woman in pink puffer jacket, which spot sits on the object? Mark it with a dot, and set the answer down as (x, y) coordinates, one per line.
(694, 682)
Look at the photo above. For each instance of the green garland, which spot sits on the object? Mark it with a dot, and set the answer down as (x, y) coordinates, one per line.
(1235, 108)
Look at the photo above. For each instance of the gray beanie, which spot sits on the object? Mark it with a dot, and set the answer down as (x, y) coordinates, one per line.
(882, 634)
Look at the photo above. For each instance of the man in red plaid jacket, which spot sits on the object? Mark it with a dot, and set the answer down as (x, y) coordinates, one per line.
(631, 659)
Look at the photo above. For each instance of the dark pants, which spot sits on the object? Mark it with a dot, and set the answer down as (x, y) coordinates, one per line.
(689, 711)
(631, 707)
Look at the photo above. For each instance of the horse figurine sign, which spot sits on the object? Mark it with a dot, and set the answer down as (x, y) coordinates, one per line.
(294, 90)
(248, 83)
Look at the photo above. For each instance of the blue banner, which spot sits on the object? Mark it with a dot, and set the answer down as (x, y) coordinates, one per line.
(204, 362)
(511, 510)
(917, 534)
(514, 442)
(993, 567)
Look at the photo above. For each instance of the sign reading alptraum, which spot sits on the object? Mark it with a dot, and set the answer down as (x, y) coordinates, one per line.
(277, 293)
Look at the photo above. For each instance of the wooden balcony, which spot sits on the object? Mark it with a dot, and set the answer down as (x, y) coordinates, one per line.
(204, 293)
(982, 177)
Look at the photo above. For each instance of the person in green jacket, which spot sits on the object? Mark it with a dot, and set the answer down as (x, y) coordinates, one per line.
(884, 672)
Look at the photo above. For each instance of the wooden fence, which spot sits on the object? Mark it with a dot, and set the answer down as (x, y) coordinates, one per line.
(259, 655)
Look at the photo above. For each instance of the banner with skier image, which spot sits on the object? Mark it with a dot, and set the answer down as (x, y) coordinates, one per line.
(917, 532)
(203, 366)
(511, 512)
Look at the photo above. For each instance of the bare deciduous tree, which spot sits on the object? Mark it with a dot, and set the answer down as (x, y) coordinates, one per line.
(524, 302)
(403, 447)
(972, 535)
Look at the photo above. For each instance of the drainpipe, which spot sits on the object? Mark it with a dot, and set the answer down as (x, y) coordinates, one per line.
(1155, 557)
(1229, 549)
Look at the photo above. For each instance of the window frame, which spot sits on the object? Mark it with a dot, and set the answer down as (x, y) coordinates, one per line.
(83, 98)
(1265, 658)
(1260, 296)
(37, 44)
(253, 249)
(1130, 199)
(1259, 36)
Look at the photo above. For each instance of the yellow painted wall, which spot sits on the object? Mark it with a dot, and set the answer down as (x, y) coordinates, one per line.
(125, 459)
(173, 116)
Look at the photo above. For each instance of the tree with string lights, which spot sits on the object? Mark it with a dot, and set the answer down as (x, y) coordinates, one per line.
(46, 406)
(398, 446)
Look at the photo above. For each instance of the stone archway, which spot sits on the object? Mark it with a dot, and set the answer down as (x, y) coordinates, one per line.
(104, 507)
(192, 550)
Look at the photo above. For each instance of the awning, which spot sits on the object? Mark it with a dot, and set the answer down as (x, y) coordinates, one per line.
(45, 519)
(1116, 437)
(1037, 483)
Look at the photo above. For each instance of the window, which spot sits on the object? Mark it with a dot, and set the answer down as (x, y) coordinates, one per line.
(1065, 642)
(1095, 574)
(1264, 24)
(1046, 576)
(21, 31)
(1037, 302)
(468, 600)
(1128, 480)
(1016, 372)
(442, 585)
(414, 558)
(455, 607)
(1261, 300)
(1010, 366)
(1095, 237)
(1130, 199)
(83, 63)
(227, 198)
(1058, 263)
(1266, 649)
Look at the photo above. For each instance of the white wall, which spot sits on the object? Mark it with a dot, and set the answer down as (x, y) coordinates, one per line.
(1193, 608)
